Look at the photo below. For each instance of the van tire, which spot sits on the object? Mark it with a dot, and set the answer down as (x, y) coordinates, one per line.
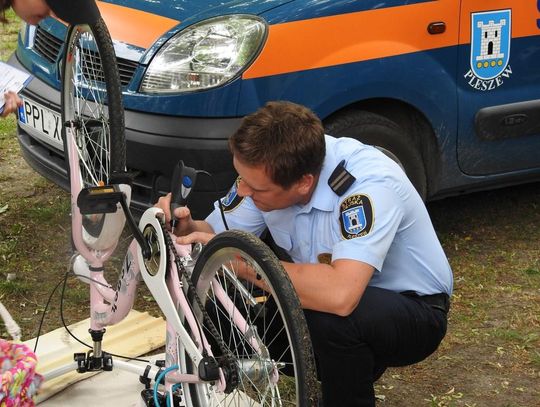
(383, 133)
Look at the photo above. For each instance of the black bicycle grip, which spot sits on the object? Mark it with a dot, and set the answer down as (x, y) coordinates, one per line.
(182, 182)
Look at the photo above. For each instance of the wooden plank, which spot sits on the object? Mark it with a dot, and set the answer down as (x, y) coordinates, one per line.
(138, 334)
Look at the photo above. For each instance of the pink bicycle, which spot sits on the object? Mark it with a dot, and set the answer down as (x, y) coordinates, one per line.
(228, 341)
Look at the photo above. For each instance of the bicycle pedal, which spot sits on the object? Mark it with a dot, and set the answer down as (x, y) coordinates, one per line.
(102, 199)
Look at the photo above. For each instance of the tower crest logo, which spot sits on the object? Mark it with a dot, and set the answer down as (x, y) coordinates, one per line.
(490, 49)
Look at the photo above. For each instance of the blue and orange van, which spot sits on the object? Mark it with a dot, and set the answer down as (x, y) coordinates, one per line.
(449, 88)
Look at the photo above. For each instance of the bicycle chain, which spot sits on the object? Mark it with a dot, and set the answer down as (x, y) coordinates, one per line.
(229, 360)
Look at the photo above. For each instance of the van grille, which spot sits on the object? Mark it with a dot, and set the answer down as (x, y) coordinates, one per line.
(48, 46)
(92, 63)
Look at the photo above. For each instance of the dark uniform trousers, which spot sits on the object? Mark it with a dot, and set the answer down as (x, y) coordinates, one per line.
(387, 329)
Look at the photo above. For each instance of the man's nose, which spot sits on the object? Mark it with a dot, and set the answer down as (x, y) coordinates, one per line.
(243, 189)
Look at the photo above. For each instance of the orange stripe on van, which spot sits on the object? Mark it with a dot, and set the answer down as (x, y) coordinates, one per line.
(134, 27)
(371, 34)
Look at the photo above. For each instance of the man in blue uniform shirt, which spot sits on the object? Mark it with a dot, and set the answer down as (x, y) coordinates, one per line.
(364, 257)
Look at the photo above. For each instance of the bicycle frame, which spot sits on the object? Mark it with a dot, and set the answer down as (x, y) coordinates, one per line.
(109, 305)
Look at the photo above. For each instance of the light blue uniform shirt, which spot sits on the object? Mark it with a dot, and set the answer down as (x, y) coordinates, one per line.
(380, 220)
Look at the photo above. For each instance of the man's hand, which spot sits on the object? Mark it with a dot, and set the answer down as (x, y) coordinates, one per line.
(187, 229)
(12, 103)
(164, 203)
(195, 237)
(183, 214)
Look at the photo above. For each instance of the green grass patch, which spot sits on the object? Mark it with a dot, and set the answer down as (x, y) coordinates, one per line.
(535, 359)
(13, 288)
(9, 241)
(7, 248)
(532, 272)
(8, 39)
(509, 335)
(47, 211)
(77, 296)
(8, 138)
(8, 35)
(8, 126)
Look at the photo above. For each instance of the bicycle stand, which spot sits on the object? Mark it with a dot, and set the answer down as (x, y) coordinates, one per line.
(87, 363)
(94, 360)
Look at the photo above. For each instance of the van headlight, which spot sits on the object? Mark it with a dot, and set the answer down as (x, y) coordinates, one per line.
(205, 55)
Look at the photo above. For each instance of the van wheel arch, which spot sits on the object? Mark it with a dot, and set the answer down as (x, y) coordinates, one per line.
(385, 134)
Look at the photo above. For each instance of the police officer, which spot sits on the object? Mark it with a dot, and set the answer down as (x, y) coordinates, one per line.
(364, 257)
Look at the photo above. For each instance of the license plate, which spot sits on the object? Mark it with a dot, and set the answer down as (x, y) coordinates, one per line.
(41, 122)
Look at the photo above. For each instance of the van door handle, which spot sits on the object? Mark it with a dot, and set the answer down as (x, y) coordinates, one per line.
(437, 27)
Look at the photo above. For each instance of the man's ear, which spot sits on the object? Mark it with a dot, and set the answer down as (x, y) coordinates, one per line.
(305, 184)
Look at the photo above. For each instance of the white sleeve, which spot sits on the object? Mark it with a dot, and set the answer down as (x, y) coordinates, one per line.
(239, 212)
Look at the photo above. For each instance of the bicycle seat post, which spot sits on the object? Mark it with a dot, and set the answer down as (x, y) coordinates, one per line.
(97, 338)
(95, 359)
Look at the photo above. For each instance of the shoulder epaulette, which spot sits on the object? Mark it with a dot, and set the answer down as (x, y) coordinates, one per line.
(341, 179)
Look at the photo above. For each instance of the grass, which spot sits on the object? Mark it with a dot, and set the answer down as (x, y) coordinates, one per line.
(532, 271)
(8, 39)
(7, 131)
(494, 330)
(8, 35)
(13, 288)
(34, 213)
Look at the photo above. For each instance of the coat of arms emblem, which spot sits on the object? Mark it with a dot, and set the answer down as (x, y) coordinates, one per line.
(490, 43)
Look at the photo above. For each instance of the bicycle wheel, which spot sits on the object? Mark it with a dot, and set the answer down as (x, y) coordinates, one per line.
(92, 102)
(282, 371)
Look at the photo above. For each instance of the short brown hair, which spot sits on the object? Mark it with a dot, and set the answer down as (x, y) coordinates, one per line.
(4, 5)
(288, 139)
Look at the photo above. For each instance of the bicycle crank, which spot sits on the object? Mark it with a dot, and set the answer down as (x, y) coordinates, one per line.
(156, 263)
(154, 270)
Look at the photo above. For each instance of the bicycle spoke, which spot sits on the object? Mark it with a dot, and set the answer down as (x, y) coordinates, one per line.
(87, 100)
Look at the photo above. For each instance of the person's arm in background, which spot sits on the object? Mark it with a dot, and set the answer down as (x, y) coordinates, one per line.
(12, 101)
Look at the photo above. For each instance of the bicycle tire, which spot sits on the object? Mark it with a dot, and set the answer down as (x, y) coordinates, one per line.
(278, 307)
(91, 99)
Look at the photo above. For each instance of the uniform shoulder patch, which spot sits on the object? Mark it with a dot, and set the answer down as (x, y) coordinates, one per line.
(356, 216)
(232, 200)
